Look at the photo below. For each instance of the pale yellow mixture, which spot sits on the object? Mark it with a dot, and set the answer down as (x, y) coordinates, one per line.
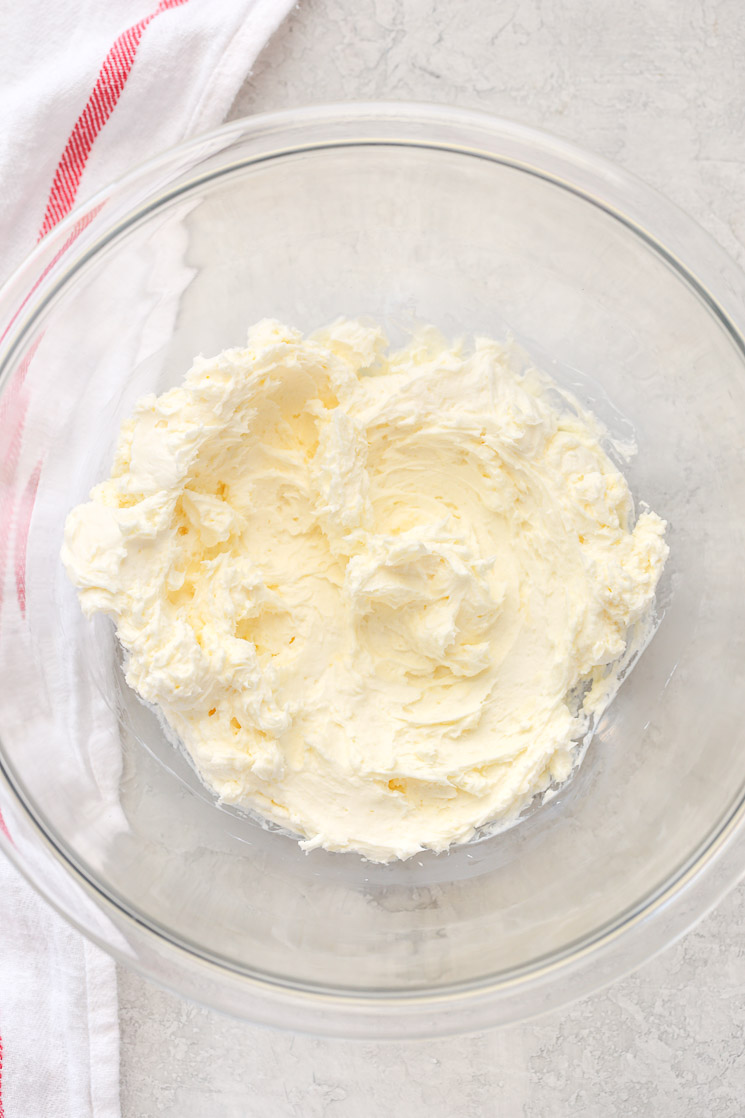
(377, 596)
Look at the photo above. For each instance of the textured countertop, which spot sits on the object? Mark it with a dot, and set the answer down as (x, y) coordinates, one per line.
(658, 86)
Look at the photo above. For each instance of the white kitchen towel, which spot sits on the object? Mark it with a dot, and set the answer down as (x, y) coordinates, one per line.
(87, 90)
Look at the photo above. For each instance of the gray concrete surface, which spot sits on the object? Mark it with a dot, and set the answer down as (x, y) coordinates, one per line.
(659, 87)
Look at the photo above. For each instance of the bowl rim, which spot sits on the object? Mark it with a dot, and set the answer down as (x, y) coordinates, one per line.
(707, 873)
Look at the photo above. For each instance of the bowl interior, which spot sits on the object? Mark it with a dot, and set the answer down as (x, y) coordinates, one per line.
(406, 234)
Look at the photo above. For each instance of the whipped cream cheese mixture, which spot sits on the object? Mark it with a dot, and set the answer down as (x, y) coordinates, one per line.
(378, 596)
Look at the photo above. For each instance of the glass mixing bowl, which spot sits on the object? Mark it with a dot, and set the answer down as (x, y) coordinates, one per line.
(404, 213)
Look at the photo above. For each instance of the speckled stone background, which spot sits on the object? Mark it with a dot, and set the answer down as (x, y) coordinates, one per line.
(659, 87)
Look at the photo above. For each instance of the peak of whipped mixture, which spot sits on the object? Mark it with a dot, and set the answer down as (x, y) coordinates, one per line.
(377, 595)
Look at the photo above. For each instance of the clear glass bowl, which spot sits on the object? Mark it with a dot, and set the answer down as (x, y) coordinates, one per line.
(404, 213)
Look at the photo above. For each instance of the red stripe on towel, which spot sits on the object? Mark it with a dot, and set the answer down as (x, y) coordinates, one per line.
(107, 90)
(23, 525)
(2, 1108)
